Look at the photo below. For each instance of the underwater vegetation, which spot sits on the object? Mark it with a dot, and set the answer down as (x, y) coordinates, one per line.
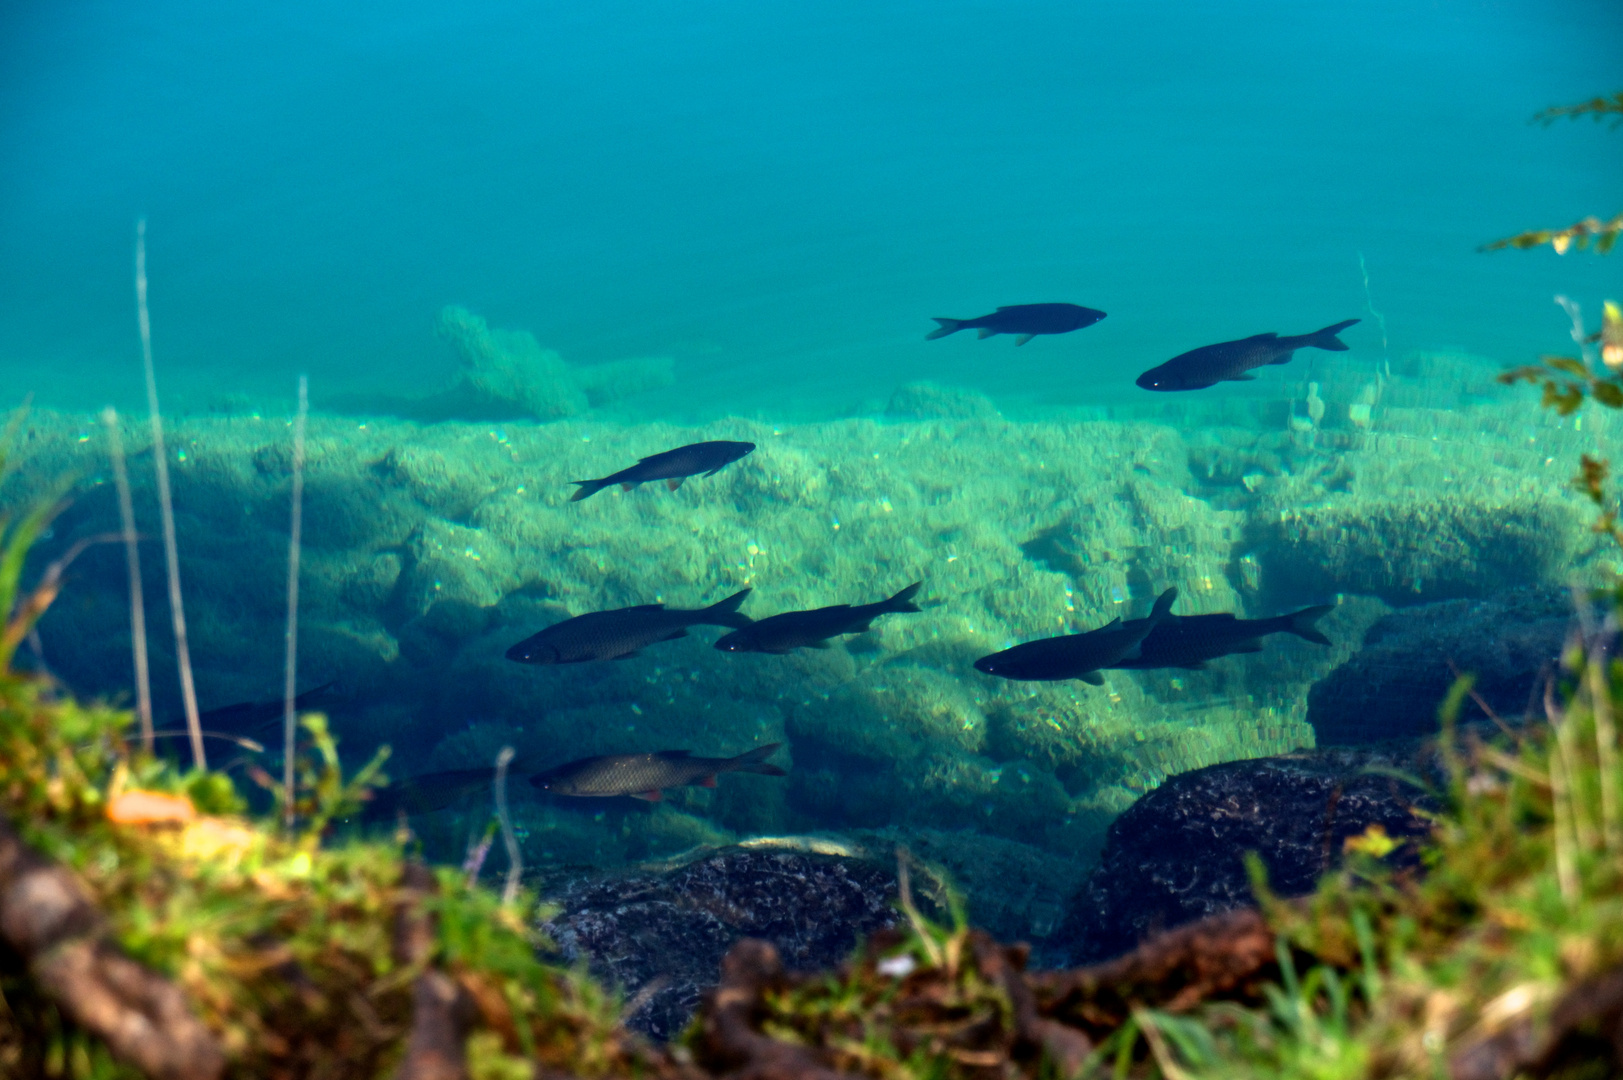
(433, 551)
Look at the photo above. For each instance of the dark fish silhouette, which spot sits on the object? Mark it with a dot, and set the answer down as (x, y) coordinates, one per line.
(1024, 320)
(1228, 361)
(618, 634)
(249, 717)
(645, 776)
(425, 793)
(672, 466)
(812, 629)
(1188, 641)
(1077, 656)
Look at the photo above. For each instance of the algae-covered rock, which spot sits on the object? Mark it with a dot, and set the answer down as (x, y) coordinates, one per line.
(435, 547)
(1405, 548)
(508, 367)
(1178, 854)
(928, 401)
(673, 923)
(1390, 688)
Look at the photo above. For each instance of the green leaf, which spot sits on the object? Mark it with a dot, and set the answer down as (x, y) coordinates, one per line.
(1608, 394)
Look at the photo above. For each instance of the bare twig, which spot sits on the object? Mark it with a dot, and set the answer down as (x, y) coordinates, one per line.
(515, 862)
(290, 674)
(132, 560)
(1482, 703)
(171, 553)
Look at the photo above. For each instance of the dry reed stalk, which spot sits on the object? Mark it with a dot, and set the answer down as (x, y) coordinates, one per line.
(515, 863)
(1566, 869)
(1600, 693)
(132, 559)
(171, 553)
(290, 673)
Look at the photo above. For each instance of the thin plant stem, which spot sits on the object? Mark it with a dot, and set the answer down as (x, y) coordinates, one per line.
(1599, 664)
(515, 862)
(291, 671)
(1566, 871)
(171, 553)
(904, 895)
(132, 559)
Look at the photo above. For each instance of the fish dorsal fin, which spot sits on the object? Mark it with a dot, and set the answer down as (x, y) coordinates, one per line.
(1092, 678)
(646, 607)
(674, 755)
(1261, 337)
(1113, 624)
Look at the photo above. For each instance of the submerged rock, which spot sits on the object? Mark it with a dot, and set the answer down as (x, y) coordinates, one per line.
(1390, 689)
(674, 922)
(1178, 854)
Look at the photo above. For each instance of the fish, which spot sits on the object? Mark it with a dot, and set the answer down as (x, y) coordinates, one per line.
(249, 717)
(646, 776)
(811, 629)
(1025, 321)
(425, 793)
(1188, 641)
(621, 633)
(671, 466)
(1078, 656)
(1229, 361)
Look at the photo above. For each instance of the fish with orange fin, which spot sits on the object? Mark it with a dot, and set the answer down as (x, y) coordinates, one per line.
(671, 466)
(646, 776)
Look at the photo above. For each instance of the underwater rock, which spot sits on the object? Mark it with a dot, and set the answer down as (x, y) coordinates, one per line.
(674, 922)
(929, 401)
(1178, 854)
(508, 367)
(1390, 689)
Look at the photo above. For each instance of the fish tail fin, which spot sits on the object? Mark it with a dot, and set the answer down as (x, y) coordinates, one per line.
(588, 488)
(726, 613)
(903, 601)
(1304, 623)
(1163, 604)
(1326, 338)
(948, 326)
(754, 761)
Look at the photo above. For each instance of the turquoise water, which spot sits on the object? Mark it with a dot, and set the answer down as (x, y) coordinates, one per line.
(761, 208)
(780, 196)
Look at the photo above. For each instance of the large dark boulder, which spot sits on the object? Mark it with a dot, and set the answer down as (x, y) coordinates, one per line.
(676, 922)
(1178, 854)
(1390, 689)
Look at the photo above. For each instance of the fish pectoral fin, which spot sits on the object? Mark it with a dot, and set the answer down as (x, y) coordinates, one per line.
(674, 482)
(1021, 339)
(675, 635)
(1253, 645)
(633, 654)
(1198, 665)
(655, 795)
(1285, 358)
(706, 781)
(1235, 378)
(824, 644)
(1092, 678)
(986, 332)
